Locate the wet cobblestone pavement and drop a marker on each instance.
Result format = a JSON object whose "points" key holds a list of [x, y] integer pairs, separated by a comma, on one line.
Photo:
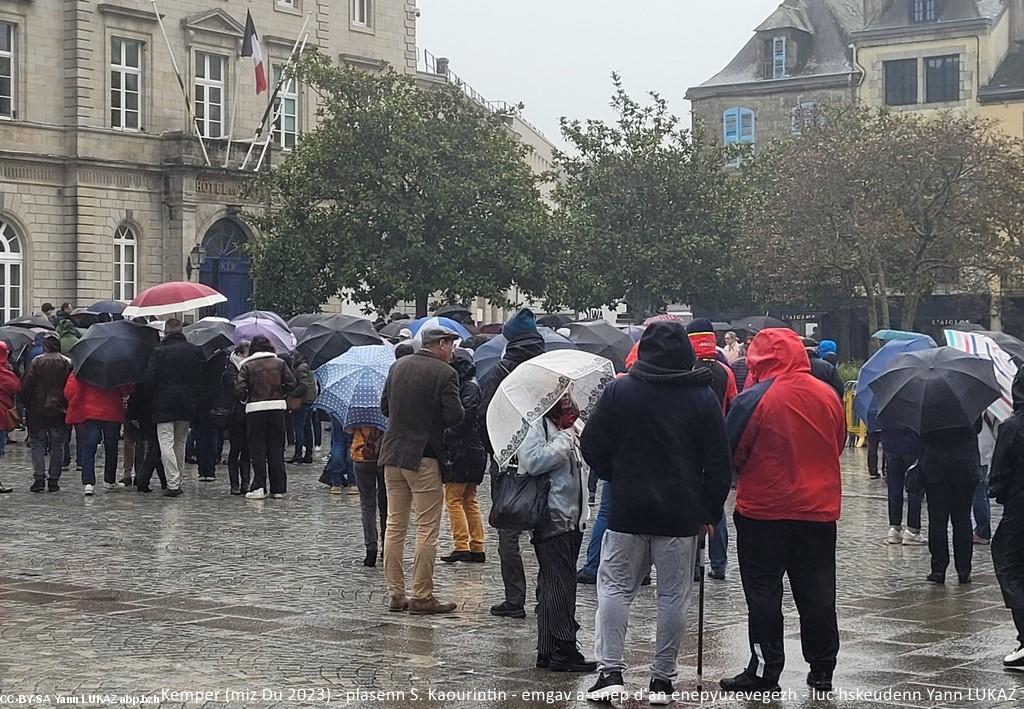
{"points": [[125, 597]]}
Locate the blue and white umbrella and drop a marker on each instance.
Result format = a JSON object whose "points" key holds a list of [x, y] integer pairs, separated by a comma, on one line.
{"points": [[352, 383], [416, 325]]}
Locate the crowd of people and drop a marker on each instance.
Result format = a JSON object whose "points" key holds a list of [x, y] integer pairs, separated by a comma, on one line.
{"points": [[670, 438]]}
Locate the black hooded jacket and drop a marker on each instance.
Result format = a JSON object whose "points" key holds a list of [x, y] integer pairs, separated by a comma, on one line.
{"points": [[519, 349], [466, 456], [1006, 485], [657, 436]]}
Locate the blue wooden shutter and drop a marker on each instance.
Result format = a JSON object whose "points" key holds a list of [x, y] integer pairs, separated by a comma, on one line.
{"points": [[730, 126], [746, 123]]}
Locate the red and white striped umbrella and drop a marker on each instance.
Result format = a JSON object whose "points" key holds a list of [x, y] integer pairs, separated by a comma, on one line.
{"points": [[173, 297]]}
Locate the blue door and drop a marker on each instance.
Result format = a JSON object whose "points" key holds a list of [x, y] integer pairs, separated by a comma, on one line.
{"points": [[226, 268]]}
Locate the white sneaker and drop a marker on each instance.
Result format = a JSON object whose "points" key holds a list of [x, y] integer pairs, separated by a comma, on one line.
{"points": [[913, 539], [276, 495], [87, 490], [113, 486], [894, 536], [258, 494], [316, 449], [1015, 660]]}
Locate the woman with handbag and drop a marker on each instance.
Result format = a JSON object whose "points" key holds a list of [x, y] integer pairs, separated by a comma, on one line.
{"points": [[10, 387], [549, 449]]}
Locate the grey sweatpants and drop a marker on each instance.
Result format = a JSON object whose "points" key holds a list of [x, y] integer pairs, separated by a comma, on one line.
{"points": [[625, 560]]}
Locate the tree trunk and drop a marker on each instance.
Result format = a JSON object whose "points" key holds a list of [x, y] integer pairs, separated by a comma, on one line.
{"points": [[421, 304], [844, 332], [872, 313], [910, 302]]}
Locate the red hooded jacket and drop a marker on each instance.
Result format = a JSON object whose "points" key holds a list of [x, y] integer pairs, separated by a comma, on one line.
{"points": [[90, 403], [787, 431], [10, 387]]}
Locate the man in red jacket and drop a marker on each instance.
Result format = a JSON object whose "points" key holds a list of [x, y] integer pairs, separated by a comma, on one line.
{"points": [[787, 431]]}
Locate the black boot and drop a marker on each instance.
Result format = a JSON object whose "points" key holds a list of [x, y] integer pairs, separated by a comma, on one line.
{"points": [[457, 555], [296, 457], [746, 683], [819, 681], [371, 558], [568, 658]]}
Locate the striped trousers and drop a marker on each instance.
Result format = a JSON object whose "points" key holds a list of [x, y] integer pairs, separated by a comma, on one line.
{"points": [[556, 591]]}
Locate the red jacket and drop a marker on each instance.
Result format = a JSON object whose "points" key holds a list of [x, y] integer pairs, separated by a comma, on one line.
{"points": [[10, 387], [90, 403], [787, 431]]}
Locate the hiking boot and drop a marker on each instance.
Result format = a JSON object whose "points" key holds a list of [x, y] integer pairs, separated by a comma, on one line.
{"points": [[660, 692], [429, 606], [1015, 660], [477, 557], [746, 683], [895, 536], [819, 681], [397, 604], [609, 687], [568, 658], [508, 610], [37, 486], [913, 539], [457, 555]]}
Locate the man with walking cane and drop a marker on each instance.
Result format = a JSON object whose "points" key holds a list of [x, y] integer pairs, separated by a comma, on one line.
{"points": [[669, 476], [787, 431]]}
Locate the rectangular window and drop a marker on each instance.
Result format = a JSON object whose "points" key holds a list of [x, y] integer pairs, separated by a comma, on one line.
{"points": [[125, 83], [6, 70], [922, 11], [210, 76], [901, 82], [942, 78], [778, 57], [361, 13], [286, 127], [288, 3]]}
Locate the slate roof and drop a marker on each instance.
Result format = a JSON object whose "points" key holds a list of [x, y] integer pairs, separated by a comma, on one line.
{"points": [[897, 14], [829, 21]]}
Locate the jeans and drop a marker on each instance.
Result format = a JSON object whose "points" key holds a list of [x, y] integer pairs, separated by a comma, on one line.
{"points": [[982, 509], [207, 439], [3, 443], [718, 547], [171, 436], [874, 438], [89, 435], [239, 467], [265, 431], [315, 424], [625, 561], [596, 534], [373, 502], [339, 464], [53, 437], [303, 430], [420, 491], [895, 476]]}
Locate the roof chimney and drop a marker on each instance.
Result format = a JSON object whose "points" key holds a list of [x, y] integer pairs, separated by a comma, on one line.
{"points": [[441, 66]]}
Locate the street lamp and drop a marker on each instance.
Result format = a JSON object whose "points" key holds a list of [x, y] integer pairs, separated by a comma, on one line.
{"points": [[196, 258]]}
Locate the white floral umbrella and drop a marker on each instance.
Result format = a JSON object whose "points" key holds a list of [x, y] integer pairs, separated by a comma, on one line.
{"points": [[533, 388]]}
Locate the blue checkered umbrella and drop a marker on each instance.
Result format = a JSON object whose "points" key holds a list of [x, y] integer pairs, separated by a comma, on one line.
{"points": [[352, 383]]}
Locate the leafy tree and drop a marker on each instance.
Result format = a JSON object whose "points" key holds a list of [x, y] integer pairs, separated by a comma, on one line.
{"points": [[877, 203], [399, 193], [644, 212]]}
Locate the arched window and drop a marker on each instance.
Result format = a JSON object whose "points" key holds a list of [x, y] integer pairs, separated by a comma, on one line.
{"points": [[124, 263], [11, 263]]}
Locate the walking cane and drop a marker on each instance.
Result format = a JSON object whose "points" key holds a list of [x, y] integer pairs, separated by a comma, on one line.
{"points": [[700, 615]]}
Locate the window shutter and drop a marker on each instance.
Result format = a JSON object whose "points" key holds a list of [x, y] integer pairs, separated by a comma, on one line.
{"points": [[730, 125], [746, 119]]}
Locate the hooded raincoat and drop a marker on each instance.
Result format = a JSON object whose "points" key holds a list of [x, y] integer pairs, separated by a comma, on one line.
{"points": [[1006, 485], [10, 387]]}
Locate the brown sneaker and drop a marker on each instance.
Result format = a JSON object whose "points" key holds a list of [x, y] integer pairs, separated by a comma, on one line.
{"points": [[397, 604], [429, 606]]}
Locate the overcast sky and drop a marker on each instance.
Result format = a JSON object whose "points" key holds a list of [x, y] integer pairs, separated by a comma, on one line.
{"points": [[556, 55]]}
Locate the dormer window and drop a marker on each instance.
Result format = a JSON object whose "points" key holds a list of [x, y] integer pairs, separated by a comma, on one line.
{"points": [[775, 58], [922, 11]]}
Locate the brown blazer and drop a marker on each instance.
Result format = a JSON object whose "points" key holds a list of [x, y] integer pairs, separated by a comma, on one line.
{"points": [[421, 400]]}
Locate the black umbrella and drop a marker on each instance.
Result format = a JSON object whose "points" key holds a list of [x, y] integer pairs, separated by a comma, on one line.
{"points": [[210, 337], [489, 354], [326, 339], [112, 354], [477, 340], [17, 338], [604, 339], [452, 309], [966, 326], [555, 320], [721, 326], [394, 329], [306, 319], [756, 323], [30, 321], [935, 389]]}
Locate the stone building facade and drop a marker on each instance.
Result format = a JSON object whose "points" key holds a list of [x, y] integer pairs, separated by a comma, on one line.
{"points": [[104, 189]]}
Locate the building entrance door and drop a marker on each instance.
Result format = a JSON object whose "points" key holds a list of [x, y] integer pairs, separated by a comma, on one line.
{"points": [[226, 267]]}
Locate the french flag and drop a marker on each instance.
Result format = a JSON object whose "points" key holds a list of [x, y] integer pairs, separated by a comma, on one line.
{"points": [[251, 47]]}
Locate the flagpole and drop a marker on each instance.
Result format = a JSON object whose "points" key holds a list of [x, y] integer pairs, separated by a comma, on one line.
{"points": [[280, 109], [181, 84], [234, 109], [300, 43]]}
